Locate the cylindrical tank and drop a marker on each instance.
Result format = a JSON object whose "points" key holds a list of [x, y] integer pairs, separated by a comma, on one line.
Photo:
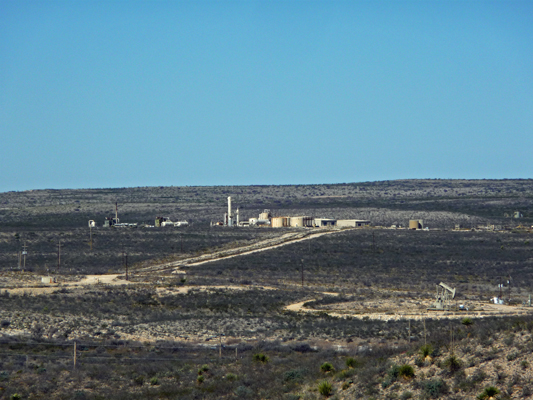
{"points": [[297, 222], [415, 224]]}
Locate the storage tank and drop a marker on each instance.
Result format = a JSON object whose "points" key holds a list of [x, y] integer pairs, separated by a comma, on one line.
{"points": [[415, 224], [280, 222], [297, 222]]}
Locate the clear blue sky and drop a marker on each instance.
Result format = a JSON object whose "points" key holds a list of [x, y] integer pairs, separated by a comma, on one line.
{"points": [[140, 93]]}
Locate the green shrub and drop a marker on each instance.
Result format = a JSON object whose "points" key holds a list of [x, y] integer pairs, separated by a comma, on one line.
{"points": [[154, 381], [200, 379], [139, 380], [524, 364], [260, 357], [205, 368], [231, 377], [467, 321], [406, 395], [406, 371], [325, 388], [489, 393], [353, 363], [327, 367], [426, 351], [295, 375], [435, 388], [452, 364], [16, 396], [243, 392], [512, 356]]}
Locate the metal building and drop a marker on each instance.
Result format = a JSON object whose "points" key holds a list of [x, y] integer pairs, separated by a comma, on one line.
{"points": [[324, 222], [352, 223]]}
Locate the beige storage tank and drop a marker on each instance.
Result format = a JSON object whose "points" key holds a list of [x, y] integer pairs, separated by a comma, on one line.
{"points": [[280, 222], [297, 222], [266, 214], [416, 224]]}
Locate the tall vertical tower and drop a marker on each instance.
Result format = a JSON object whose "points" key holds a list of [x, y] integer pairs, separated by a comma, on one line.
{"points": [[230, 215]]}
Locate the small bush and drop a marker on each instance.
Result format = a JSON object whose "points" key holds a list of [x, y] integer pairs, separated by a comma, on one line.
{"points": [[426, 351], [327, 367], [406, 395], [139, 380], [295, 375], [231, 377], [243, 392], [435, 388], [488, 393], [154, 381], [524, 364], [260, 357], [452, 364], [467, 321], [200, 379], [353, 363], [512, 356], [406, 371], [325, 388], [16, 396]]}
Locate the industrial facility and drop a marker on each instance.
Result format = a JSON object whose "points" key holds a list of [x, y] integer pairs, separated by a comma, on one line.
{"points": [[266, 219]]}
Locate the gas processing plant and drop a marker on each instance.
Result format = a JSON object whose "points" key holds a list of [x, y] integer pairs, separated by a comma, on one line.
{"points": [[266, 219]]}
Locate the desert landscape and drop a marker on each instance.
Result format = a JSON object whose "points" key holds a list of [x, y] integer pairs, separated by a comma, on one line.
{"points": [[208, 311]]}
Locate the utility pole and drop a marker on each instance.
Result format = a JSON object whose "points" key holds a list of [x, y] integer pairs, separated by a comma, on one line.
{"points": [[500, 296], [58, 254], [24, 252], [91, 235], [126, 266], [74, 355], [509, 284], [302, 273], [181, 243]]}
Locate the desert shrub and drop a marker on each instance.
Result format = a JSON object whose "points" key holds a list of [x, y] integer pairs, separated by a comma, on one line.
{"points": [[488, 393], [243, 392], [346, 384], [524, 364], [406, 395], [346, 373], [139, 380], [4, 376], [5, 323], [327, 367], [467, 321], [200, 379], [260, 357], [353, 363], [426, 351], [512, 356], [325, 388], [231, 376], [295, 375], [452, 364], [154, 381], [434, 388], [406, 371]]}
